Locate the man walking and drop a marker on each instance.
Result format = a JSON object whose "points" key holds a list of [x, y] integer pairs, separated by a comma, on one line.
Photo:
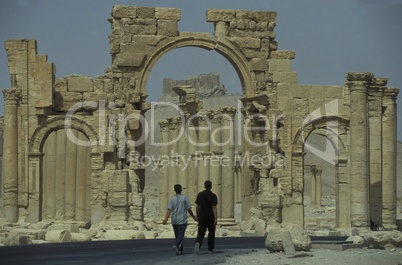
{"points": [[207, 217], [179, 205]]}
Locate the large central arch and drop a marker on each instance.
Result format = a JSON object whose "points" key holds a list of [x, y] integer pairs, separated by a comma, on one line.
{"points": [[204, 41]]}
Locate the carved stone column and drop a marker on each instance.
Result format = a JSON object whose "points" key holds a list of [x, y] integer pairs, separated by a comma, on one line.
{"points": [[389, 158], [192, 178], [163, 167], [342, 193], [359, 151], [228, 177], [173, 166], [182, 156], [203, 151], [376, 91], [215, 166], [10, 153], [316, 186]]}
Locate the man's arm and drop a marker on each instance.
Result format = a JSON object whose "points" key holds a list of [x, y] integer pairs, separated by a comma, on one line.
{"points": [[215, 214], [167, 216], [192, 214], [197, 210]]}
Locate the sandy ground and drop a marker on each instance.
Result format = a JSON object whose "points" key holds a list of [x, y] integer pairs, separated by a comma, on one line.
{"points": [[322, 257], [364, 256]]}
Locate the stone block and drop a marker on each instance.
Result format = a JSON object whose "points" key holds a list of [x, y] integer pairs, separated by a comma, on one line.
{"points": [[285, 77], [80, 237], [146, 12], [124, 11], [168, 13], [146, 40], [78, 83], [245, 15], [383, 239], [167, 28], [253, 43], [64, 101], [265, 16], [58, 236], [118, 180], [215, 15], [114, 43], [118, 199], [259, 64], [301, 105], [283, 54], [129, 59], [279, 65], [60, 84]]}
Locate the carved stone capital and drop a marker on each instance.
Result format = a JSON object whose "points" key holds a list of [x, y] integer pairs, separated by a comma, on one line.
{"points": [[379, 82], [164, 125], [11, 96], [359, 76], [391, 92]]}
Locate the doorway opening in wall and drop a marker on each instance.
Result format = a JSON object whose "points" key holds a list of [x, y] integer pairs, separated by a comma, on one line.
{"points": [[66, 180], [319, 183], [216, 84]]}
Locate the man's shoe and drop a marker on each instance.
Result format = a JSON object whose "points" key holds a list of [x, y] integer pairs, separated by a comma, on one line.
{"points": [[176, 250], [197, 248], [211, 251]]}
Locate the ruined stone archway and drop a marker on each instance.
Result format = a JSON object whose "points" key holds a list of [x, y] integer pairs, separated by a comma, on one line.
{"points": [[41, 133], [36, 162], [65, 186], [140, 36], [334, 130]]}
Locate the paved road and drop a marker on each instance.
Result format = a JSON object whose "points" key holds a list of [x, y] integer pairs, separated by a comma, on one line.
{"points": [[151, 251]]}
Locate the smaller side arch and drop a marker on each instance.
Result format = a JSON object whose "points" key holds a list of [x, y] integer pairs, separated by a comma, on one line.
{"points": [[39, 136], [334, 128], [322, 123]]}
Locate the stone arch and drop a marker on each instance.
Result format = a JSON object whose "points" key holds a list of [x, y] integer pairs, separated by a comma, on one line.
{"points": [[223, 47], [39, 136], [36, 145], [322, 126]]}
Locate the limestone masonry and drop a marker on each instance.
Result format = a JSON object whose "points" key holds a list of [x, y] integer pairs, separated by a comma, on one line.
{"points": [[74, 148]]}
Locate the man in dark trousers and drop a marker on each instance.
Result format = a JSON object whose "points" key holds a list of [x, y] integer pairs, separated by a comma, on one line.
{"points": [[179, 205], [207, 217]]}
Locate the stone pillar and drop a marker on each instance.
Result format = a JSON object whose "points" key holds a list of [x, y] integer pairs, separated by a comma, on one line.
{"points": [[215, 167], [376, 91], [312, 195], [203, 148], [173, 165], [359, 151], [98, 209], [182, 157], [192, 172], [248, 200], [293, 209], [228, 181], [10, 153], [342, 194], [317, 171], [389, 158], [164, 168], [34, 207]]}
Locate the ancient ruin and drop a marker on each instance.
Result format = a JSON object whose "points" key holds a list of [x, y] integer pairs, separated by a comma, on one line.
{"points": [[73, 146]]}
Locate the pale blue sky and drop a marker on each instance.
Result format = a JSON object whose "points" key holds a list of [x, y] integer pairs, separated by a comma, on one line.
{"points": [[330, 38]]}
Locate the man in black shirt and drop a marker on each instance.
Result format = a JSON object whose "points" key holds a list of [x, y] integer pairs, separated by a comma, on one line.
{"points": [[207, 217]]}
